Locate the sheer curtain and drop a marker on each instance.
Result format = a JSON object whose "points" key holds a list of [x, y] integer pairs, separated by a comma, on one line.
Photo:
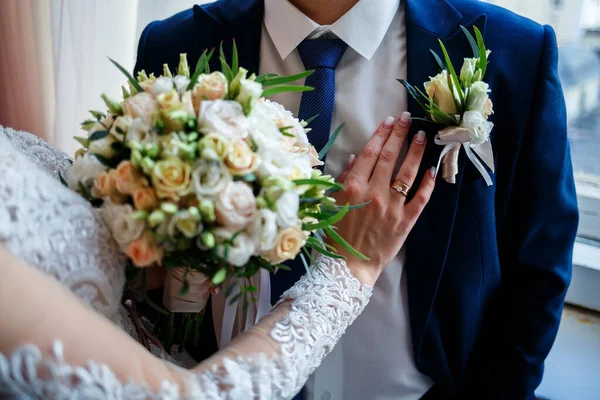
{"points": [[53, 62]]}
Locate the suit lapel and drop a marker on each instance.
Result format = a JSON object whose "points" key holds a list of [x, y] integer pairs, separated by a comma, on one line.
{"points": [[223, 21], [427, 245]]}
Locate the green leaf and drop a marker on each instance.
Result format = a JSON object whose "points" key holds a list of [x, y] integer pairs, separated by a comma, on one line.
{"points": [[199, 68], [130, 78], [208, 58], [82, 141], [324, 251], [327, 146], [97, 114], [310, 257], [472, 42], [245, 178], [284, 267], [219, 276], [327, 222], [482, 51], [226, 69], [438, 60], [284, 129], [285, 89], [338, 239], [234, 60], [318, 182], [414, 94], [354, 207], [280, 80], [262, 78], [98, 135], [306, 267], [62, 180], [452, 73], [107, 162], [311, 119]]}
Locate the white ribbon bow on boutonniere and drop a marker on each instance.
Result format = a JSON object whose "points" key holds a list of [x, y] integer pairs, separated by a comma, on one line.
{"points": [[463, 105]]}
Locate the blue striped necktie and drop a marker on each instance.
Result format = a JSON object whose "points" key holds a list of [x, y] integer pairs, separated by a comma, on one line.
{"points": [[322, 56]]}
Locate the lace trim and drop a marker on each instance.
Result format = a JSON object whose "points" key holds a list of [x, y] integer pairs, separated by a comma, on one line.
{"points": [[322, 308]]}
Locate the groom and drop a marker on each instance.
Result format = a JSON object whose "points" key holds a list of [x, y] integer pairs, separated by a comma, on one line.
{"points": [[470, 307]]}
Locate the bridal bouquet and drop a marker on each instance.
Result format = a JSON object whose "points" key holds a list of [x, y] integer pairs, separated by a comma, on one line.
{"points": [[203, 175], [462, 104]]}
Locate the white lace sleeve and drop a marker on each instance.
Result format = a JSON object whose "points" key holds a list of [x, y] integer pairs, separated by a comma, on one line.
{"points": [[270, 361]]}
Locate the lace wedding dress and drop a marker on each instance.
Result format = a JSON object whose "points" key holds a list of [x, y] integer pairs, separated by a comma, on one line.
{"points": [[57, 232]]}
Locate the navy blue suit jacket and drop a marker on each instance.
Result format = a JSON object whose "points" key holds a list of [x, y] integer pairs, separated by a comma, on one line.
{"points": [[488, 267]]}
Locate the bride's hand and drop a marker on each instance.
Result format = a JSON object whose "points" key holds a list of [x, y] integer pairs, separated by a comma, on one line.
{"points": [[379, 229]]}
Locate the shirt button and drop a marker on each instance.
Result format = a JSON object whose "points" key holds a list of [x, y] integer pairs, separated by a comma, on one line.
{"points": [[326, 396]]}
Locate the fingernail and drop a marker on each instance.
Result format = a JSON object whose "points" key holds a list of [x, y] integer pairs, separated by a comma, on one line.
{"points": [[389, 122], [351, 159], [420, 138], [405, 118], [432, 172]]}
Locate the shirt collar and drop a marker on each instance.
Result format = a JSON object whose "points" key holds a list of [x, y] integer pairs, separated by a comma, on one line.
{"points": [[362, 28]]}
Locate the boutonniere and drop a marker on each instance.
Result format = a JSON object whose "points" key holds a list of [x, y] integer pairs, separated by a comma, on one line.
{"points": [[462, 104]]}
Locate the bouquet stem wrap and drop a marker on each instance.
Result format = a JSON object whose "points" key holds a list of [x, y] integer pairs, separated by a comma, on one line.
{"points": [[196, 297], [455, 137]]}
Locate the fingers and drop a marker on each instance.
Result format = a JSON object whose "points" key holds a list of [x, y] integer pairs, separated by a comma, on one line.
{"points": [[349, 165], [421, 198], [384, 169], [410, 167], [364, 164]]}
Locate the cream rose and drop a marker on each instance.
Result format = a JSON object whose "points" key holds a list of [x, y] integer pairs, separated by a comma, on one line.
{"points": [[288, 245], [264, 229], [225, 117], [189, 224], [85, 170], [235, 206], [217, 142], [145, 198], [437, 89], [129, 178], [238, 252], [142, 105], [209, 87], [171, 178], [168, 100], [209, 177], [479, 128], [286, 208], [488, 107], [145, 251], [188, 104], [241, 160], [122, 225]]}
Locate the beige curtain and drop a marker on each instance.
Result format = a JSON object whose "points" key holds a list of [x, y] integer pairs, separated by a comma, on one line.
{"points": [[26, 68]]}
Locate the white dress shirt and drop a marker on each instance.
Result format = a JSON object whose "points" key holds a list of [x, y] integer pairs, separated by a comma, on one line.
{"points": [[374, 359]]}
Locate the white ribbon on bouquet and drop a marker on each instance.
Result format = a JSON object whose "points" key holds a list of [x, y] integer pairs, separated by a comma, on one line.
{"points": [[455, 137]]}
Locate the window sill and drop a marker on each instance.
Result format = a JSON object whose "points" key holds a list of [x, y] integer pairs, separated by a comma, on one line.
{"points": [[585, 282]]}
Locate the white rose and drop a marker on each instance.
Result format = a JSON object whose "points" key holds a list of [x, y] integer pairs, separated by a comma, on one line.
{"points": [[250, 91], [264, 133], [85, 169], [240, 251], [282, 118], [103, 146], [120, 127], [142, 105], [235, 205], [303, 166], [224, 117], [188, 224], [468, 71], [164, 84], [264, 229], [478, 93], [209, 177], [438, 90], [287, 209], [141, 132], [123, 227], [479, 128], [181, 83]]}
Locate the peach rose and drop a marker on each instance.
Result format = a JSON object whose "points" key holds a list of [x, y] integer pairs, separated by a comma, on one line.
{"points": [[209, 87], [142, 105], [235, 206], [105, 185], [129, 178], [241, 160], [288, 244], [145, 198], [145, 251]]}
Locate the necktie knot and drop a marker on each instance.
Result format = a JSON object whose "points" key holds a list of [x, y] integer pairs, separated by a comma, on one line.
{"points": [[321, 53]]}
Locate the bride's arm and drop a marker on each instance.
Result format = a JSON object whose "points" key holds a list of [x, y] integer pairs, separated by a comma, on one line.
{"points": [[272, 360]]}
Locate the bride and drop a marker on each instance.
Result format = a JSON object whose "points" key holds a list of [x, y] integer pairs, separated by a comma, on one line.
{"points": [[62, 282]]}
